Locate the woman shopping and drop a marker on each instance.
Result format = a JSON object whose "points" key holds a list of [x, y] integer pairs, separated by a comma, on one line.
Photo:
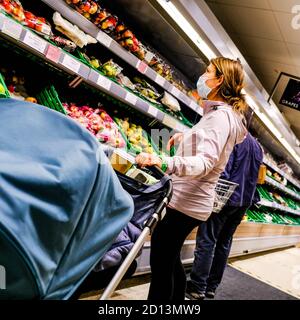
{"points": [[201, 156]]}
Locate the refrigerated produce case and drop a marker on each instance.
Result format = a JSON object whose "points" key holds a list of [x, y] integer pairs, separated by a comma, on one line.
{"points": [[268, 225]]}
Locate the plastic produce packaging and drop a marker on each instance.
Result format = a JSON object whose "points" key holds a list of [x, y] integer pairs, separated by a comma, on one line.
{"points": [[39, 24], [71, 31], [171, 102]]}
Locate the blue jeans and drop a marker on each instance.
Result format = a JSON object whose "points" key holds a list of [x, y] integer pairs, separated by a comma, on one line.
{"points": [[213, 244]]}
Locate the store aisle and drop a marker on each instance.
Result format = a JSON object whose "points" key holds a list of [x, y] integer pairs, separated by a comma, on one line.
{"points": [[268, 276]]}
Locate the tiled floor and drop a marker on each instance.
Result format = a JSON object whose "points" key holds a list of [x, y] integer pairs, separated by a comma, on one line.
{"points": [[280, 269]]}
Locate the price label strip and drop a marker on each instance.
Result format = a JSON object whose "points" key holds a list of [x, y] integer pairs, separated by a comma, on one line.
{"points": [[35, 42], [170, 122], [53, 53], [131, 98], [175, 91], [142, 67], [104, 82], [104, 39], [160, 80], [12, 28], [71, 63], [153, 111]]}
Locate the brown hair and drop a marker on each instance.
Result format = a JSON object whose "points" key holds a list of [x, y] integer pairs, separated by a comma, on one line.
{"points": [[233, 83]]}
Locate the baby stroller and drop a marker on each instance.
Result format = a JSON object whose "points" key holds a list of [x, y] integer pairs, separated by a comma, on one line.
{"points": [[149, 202], [61, 203]]}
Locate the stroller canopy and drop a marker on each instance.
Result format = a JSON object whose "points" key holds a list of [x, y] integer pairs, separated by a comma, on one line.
{"points": [[61, 204]]}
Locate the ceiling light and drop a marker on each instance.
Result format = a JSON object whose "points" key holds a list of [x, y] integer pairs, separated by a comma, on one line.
{"points": [[183, 23]]}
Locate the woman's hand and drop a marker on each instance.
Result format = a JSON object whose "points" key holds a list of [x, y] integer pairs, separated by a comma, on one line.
{"points": [[147, 159], [176, 139]]}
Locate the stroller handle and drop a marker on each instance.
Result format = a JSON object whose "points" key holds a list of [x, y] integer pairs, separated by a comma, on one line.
{"points": [[162, 174]]}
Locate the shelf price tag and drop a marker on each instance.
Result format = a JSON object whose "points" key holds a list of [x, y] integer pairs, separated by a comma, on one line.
{"points": [[193, 105], [142, 67], [152, 111], [104, 39], [35, 41], [53, 53], [12, 28], [169, 121], [160, 80], [131, 98], [175, 91], [71, 63], [104, 82]]}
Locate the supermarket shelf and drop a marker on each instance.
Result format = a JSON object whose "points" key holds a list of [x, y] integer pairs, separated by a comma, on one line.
{"points": [[277, 206], [275, 168], [249, 238], [30, 41], [88, 27], [281, 187]]}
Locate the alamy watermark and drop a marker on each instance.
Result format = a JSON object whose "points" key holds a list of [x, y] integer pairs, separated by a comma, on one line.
{"points": [[2, 278], [295, 23]]}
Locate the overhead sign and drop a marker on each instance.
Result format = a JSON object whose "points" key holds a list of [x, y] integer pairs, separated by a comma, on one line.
{"points": [[291, 95]]}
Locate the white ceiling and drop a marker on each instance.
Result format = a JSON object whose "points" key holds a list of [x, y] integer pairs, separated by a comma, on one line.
{"points": [[263, 32]]}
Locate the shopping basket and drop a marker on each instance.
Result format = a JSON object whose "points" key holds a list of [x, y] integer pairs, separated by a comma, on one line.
{"points": [[150, 202], [223, 191]]}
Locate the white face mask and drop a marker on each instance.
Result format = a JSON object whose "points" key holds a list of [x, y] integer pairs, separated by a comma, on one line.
{"points": [[202, 88]]}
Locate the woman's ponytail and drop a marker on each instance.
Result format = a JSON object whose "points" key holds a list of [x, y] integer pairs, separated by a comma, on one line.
{"points": [[233, 83]]}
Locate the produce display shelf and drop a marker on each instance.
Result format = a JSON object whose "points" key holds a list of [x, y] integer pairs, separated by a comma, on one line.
{"points": [[281, 187], [250, 237], [277, 206], [33, 43], [275, 168], [88, 27]]}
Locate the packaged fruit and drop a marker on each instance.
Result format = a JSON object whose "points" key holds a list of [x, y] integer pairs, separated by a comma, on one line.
{"points": [[120, 28], [100, 16], [146, 90], [14, 8], [37, 23], [109, 24], [86, 7], [111, 69]]}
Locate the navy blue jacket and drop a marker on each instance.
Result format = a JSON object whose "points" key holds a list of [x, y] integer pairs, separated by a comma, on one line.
{"points": [[242, 168]]}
